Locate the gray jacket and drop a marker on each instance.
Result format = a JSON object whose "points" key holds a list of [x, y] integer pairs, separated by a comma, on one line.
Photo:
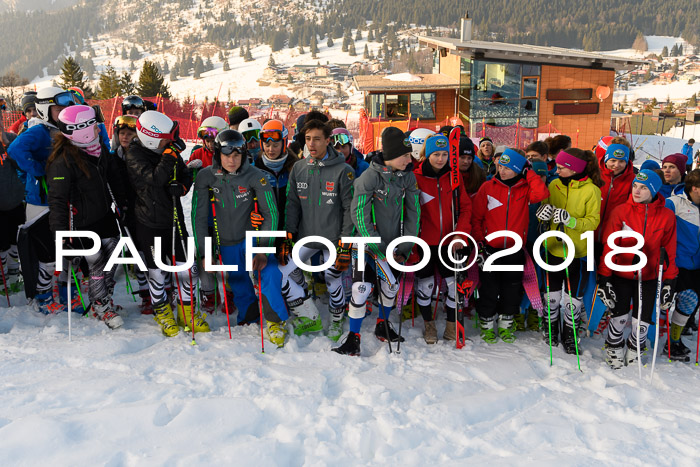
{"points": [[376, 206], [319, 194], [234, 195], [11, 187]]}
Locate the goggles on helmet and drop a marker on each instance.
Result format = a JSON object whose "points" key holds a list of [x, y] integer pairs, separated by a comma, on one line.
{"points": [[125, 121], [340, 139], [64, 99], [251, 135], [207, 132], [271, 135]]}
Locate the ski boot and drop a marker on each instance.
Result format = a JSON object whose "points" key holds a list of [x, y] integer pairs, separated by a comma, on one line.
{"points": [[163, 315], [231, 309], [146, 306], [505, 328], [430, 332], [615, 356], [555, 331], [568, 340], [321, 291], [381, 334], [308, 318], [533, 321], [102, 310], [486, 330], [335, 329], [209, 302], [15, 283], [351, 346], [184, 319], [46, 304], [277, 333], [76, 303], [519, 322], [679, 352]]}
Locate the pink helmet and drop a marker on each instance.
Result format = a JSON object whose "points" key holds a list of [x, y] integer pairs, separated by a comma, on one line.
{"points": [[341, 136], [78, 123]]}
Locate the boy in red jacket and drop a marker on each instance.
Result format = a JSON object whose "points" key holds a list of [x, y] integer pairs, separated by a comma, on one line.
{"points": [[645, 213], [502, 204]]}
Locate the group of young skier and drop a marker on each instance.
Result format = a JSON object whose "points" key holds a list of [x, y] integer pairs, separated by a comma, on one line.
{"points": [[63, 173]]}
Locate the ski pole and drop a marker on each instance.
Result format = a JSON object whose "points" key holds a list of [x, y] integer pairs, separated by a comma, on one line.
{"points": [[571, 306], [639, 322], [403, 290], [260, 305], [218, 249], [129, 288], [176, 221], [381, 304], [668, 330], [697, 346], [4, 282], [658, 313], [549, 310], [437, 299]]}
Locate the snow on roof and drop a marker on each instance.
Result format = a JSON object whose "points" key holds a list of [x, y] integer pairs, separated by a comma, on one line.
{"points": [[406, 77]]}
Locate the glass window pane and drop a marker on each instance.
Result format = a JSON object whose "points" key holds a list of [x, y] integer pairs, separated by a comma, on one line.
{"points": [[531, 70], [376, 107], [528, 108], [396, 106], [530, 86], [423, 105], [496, 108], [496, 81]]}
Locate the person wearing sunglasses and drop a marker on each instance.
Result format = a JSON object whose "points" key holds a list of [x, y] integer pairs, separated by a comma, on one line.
{"points": [[250, 129], [207, 132], [342, 142], [236, 190], [160, 178], [31, 150]]}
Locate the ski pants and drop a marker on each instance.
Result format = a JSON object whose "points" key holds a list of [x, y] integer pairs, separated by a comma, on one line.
{"points": [[626, 291], [425, 283], [500, 292], [294, 291], [36, 246], [688, 288], [376, 270], [244, 292], [100, 281]]}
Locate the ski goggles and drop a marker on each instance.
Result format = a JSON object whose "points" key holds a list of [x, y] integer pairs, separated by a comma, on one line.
{"points": [[271, 135], [125, 121], [129, 104], [341, 139], [251, 135], [207, 132], [71, 129], [228, 148], [64, 99]]}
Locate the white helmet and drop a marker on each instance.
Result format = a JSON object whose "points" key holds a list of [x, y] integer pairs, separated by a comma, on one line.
{"points": [[152, 127], [249, 124], [417, 139], [212, 126], [48, 97]]}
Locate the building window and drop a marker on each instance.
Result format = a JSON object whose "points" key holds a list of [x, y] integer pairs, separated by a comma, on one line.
{"points": [[423, 105], [396, 106], [376, 105], [531, 85], [465, 76]]}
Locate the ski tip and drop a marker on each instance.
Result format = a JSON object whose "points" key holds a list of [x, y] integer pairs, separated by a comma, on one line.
{"points": [[194, 342]]}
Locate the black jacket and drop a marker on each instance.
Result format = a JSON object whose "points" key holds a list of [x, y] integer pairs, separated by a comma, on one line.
{"points": [[88, 196], [150, 175]]}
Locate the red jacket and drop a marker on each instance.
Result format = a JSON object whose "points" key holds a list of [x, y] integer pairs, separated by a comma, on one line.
{"points": [[614, 193], [500, 207], [657, 224], [203, 154], [17, 125], [436, 206]]}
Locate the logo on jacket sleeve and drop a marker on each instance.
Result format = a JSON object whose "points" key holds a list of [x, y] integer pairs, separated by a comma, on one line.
{"points": [[263, 181]]}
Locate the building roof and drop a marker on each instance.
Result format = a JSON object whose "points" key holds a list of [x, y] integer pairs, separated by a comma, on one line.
{"points": [[404, 82], [530, 53]]}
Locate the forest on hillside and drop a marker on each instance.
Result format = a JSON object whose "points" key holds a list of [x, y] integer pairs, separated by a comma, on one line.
{"points": [[34, 40]]}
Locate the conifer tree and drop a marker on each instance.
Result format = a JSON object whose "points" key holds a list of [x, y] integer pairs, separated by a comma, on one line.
{"points": [[108, 85], [151, 83], [72, 75], [127, 85]]}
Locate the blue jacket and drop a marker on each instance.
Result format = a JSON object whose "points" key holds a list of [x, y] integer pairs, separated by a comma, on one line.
{"points": [[31, 150], [687, 230], [361, 166], [104, 136], [669, 190], [688, 151]]}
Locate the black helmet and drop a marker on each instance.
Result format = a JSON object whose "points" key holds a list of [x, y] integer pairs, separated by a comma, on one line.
{"points": [[28, 101], [228, 141], [132, 102]]}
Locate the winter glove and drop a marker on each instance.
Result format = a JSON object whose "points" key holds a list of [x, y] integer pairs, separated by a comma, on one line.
{"points": [[561, 216], [194, 164], [668, 294], [178, 144], [256, 220], [342, 262], [544, 212], [606, 293], [176, 189], [285, 249]]}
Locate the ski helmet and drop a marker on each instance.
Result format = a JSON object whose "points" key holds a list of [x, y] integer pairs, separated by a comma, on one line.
{"points": [[417, 139], [124, 121], [602, 146], [341, 136], [28, 101], [78, 93], [211, 127], [133, 102], [227, 142], [250, 129], [48, 97], [153, 127], [78, 123], [274, 130]]}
